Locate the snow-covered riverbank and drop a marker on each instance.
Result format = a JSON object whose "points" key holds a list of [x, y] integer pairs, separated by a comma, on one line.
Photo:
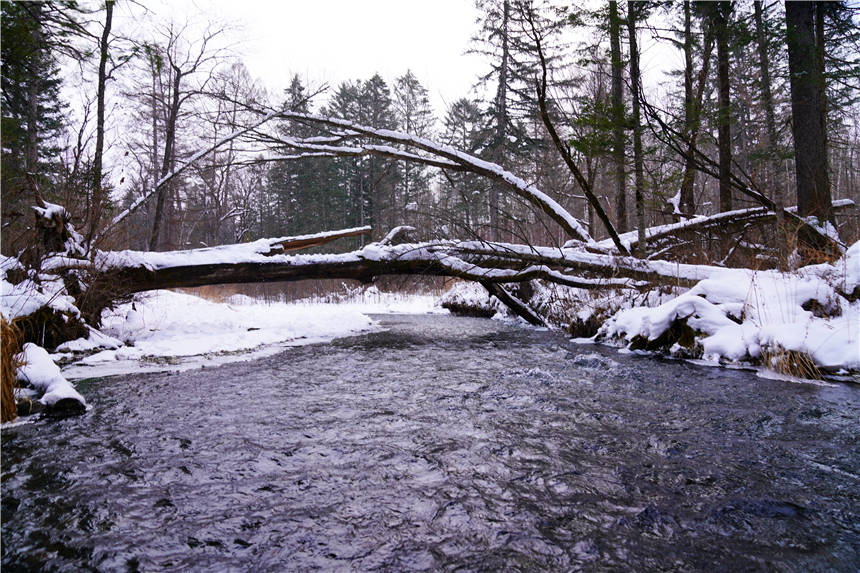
{"points": [[166, 330]]}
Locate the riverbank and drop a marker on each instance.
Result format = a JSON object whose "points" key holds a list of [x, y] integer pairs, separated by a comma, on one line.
{"points": [[174, 331]]}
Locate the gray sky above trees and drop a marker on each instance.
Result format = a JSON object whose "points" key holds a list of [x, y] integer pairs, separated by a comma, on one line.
{"points": [[329, 41]]}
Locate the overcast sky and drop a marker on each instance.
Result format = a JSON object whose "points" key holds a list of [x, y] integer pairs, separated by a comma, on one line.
{"points": [[329, 41]]}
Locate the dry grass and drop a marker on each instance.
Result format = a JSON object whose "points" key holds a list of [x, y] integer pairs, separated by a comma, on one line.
{"points": [[11, 342], [790, 363]]}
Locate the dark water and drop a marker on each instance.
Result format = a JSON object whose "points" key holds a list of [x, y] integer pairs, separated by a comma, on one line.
{"points": [[442, 444]]}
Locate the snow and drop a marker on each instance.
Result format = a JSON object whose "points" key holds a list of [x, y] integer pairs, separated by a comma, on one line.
{"points": [[27, 296], [739, 314], [40, 371], [166, 330], [467, 294]]}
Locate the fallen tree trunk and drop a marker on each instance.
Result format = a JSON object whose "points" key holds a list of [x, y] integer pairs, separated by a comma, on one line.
{"points": [[497, 263], [729, 223]]}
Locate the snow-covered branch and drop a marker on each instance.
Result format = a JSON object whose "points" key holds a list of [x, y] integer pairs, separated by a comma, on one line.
{"points": [[437, 154]]}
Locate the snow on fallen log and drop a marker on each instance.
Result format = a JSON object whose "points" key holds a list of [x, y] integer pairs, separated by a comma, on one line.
{"points": [[703, 223], [41, 373]]}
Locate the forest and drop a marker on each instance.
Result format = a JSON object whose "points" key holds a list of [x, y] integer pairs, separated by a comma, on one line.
{"points": [[720, 137], [598, 311], [566, 166]]}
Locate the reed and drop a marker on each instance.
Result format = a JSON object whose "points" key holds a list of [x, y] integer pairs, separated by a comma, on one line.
{"points": [[11, 347]]}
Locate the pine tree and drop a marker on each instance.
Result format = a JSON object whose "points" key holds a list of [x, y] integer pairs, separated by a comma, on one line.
{"points": [[32, 110], [464, 199], [503, 42], [414, 116], [378, 175]]}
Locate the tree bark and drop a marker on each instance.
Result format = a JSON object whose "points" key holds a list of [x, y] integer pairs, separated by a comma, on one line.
{"points": [[167, 159], [810, 153], [501, 119], [724, 132], [820, 7], [635, 87], [693, 110], [771, 140], [617, 105], [33, 89], [97, 193]]}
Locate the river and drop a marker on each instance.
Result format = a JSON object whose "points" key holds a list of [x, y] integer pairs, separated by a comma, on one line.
{"points": [[439, 443]]}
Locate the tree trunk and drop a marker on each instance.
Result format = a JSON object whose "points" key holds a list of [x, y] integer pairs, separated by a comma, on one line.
{"points": [[635, 86], [810, 153], [167, 159], [97, 198], [724, 133], [819, 59], [617, 105], [771, 140], [688, 180], [501, 119], [33, 89]]}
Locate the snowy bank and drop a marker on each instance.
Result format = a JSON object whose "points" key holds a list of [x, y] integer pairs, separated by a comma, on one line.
{"points": [[166, 330], [740, 315]]}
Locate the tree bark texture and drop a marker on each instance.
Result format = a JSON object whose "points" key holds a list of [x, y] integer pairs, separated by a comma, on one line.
{"points": [[617, 105], [97, 194], [167, 158], [724, 130], [693, 112], [771, 139], [635, 87], [810, 155]]}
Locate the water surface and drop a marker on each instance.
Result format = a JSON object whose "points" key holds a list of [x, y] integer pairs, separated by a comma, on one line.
{"points": [[441, 443]]}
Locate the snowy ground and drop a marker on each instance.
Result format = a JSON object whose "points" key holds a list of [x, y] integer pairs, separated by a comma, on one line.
{"points": [[166, 330]]}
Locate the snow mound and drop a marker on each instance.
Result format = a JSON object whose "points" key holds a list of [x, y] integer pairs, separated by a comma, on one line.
{"points": [[40, 372], [471, 299], [739, 315]]}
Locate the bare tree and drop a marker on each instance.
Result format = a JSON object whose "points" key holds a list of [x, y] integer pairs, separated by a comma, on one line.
{"points": [[189, 67], [97, 197]]}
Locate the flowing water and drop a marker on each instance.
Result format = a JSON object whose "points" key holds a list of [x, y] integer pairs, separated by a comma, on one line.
{"points": [[440, 443]]}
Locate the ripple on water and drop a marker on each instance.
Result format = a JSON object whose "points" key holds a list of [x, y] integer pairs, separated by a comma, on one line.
{"points": [[440, 443]]}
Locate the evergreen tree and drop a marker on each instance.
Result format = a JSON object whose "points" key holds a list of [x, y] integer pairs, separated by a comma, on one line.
{"points": [[464, 200], [291, 182], [378, 176], [414, 116], [503, 42], [32, 110]]}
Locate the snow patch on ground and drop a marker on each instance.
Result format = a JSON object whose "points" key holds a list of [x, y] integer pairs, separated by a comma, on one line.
{"points": [[166, 330]]}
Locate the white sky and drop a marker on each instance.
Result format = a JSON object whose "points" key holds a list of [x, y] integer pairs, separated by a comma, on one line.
{"points": [[329, 41]]}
